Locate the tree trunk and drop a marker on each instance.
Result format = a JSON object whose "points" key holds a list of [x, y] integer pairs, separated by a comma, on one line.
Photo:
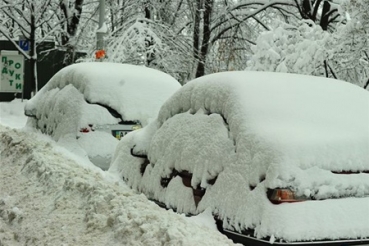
{"points": [[208, 7], [196, 30], [367, 84], [306, 10], [71, 31], [149, 42], [309, 10], [32, 52], [324, 21], [326, 69]]}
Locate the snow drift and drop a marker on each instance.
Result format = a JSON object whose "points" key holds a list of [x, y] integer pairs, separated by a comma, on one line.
{"points": [[48, 198]]}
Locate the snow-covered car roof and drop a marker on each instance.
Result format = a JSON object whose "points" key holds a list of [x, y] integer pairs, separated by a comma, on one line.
{"points": [[307, 121], [240, 134], [135, 92]]}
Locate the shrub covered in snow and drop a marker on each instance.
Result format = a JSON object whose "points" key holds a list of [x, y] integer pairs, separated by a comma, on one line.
{"points": [[351, 52]]}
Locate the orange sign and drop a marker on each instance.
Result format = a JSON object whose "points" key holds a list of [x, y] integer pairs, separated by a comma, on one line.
{"points": [[99, 54]]}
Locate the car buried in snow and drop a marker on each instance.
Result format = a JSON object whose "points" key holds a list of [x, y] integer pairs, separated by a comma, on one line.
{"points": [[279, 158], [88, 107]]}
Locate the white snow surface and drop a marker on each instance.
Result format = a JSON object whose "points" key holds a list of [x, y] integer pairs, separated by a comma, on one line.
{"points": [[12, 113], [103, 28], [136, 92], [48, 198], [255, 131]]}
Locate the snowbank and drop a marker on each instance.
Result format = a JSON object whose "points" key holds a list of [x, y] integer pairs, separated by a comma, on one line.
{"points": [[46, 198], [12, 113]]}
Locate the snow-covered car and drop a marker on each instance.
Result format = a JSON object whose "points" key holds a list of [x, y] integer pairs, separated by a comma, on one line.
{"points": [[95, 104], [278, 158]]}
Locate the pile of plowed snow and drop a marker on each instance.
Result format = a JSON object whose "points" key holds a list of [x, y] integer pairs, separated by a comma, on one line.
{"points": [[47, 198]]}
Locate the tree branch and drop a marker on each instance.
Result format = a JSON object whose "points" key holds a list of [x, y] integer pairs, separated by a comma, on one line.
{"points": [[366, 85], [16, 21], [15, 44], [264, 7]]}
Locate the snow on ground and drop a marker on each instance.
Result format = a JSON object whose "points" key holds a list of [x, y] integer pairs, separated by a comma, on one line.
{"points": [[48, 196], [12, 113]]}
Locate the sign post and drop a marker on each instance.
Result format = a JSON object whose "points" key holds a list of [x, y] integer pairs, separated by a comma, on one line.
{"points": [[12, 72]]}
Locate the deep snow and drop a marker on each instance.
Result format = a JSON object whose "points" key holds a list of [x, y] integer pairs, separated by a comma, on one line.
{"points": [[49, 196], [12, 113]]}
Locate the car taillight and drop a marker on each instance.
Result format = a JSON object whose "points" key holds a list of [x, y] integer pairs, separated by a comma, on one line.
{"points": [[278, 196], [87, 129], [84, 130]]}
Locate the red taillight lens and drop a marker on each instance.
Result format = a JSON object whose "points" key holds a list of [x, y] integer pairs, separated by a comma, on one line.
{"points": [[278, 196], [87, 129], [285, 195]]}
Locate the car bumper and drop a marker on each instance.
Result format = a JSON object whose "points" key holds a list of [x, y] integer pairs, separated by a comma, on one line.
{"points": [[247, 239]]}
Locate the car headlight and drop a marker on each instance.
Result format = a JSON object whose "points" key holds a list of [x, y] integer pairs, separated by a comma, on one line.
{"points": [[136, 127]]}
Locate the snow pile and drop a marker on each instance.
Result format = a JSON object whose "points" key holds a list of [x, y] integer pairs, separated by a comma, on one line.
{"points": [[12, 113], [135, 92], [251, 131], [46, 198]]}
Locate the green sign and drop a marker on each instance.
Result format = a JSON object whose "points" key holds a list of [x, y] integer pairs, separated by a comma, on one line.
{"points": [[12, 69]]}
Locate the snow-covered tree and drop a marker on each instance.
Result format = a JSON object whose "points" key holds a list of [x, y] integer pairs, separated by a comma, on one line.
{"points": [[26, 18], [300, 48], [189, 38], [71, 18], [148, 33], [38, 20], [351, 49], [147, 43], [304, 47], [230, 26]]}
